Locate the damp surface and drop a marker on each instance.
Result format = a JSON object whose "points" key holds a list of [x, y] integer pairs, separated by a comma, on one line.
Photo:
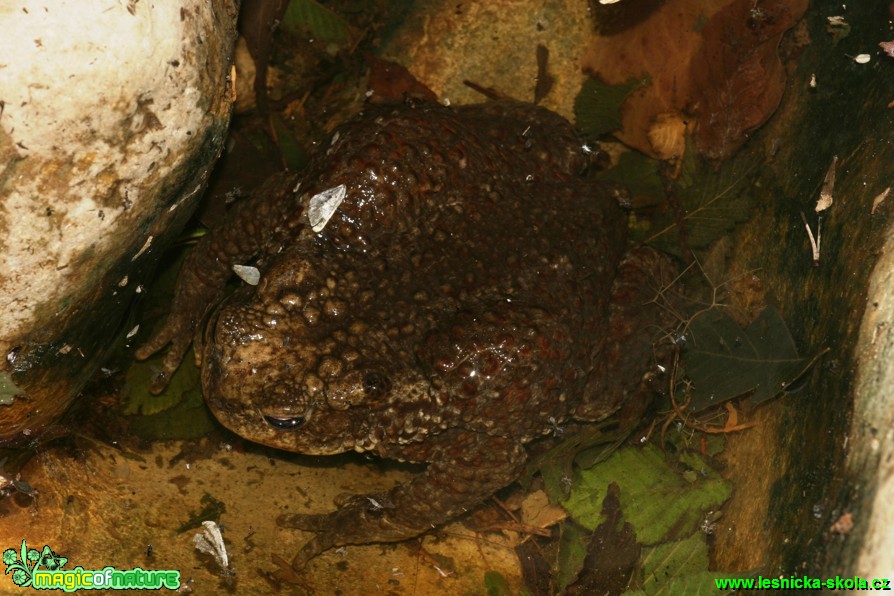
{"points": [[102, 506]]}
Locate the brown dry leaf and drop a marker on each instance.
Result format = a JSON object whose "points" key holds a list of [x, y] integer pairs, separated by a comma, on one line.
{"points": [[844, 524], [392, 81], [715, 59], [667, 136], [732, 422], [538, 512], [256, 24], [737, 77], [733, 415], [660, 48]]}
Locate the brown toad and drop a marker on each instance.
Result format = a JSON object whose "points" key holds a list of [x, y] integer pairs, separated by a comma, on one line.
{"points": [[468, 295]]}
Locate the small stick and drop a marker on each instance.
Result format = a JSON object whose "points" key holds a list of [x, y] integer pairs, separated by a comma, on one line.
{"points": [[814, 242]]}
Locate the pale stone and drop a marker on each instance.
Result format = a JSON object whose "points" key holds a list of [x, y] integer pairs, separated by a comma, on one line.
{"points": [[112, 114]]}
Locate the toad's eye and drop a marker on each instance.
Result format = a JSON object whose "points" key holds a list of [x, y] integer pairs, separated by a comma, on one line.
{"points": [[376, 385], [285, 423]]}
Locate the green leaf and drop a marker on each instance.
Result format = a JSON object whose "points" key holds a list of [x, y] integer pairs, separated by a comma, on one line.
{"points": [[185, 385], [312, 18], [656, 499], [190, 419], [573, 542], [179, 412], [672, 561], [8, 390], [678, 567], [586, 447], [640, 174], [724, 361], [496, 584], [597, 108]]}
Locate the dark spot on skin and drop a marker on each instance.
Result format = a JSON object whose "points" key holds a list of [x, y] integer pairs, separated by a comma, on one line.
{"points": [[376, 385]]}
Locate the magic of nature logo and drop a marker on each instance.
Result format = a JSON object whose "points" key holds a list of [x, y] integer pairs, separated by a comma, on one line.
{"points": [[43, 570]]}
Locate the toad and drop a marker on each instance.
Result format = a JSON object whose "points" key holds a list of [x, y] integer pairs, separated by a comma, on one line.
{"points": [[469, 294]]}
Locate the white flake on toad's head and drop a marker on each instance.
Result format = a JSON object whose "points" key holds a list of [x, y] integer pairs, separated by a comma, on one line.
{"points": [[862, 58], [248, 274], [322, 206]]}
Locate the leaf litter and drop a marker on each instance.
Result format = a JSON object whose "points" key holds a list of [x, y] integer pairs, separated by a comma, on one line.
{"points": [[671, 498]]}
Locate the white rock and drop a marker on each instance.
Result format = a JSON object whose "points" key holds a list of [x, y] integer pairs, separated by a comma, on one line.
{"points": [[112, 111]]}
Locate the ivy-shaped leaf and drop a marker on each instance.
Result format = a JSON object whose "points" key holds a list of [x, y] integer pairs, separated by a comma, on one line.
{"points": [[678, 567], [724, 361], [708, 203], [659, 502], [587, 447]]}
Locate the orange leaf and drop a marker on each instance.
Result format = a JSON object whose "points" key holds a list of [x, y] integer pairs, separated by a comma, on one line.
{"points": [[714, 60], [660, 49], [737, 78]]}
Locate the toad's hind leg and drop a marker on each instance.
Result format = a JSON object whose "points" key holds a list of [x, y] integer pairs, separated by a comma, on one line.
{"points": [[625, 361], [465, 469]]}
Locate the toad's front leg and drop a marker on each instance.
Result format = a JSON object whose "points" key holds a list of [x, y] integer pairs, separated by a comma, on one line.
{"points": [[466, 468], [250, 225]]}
